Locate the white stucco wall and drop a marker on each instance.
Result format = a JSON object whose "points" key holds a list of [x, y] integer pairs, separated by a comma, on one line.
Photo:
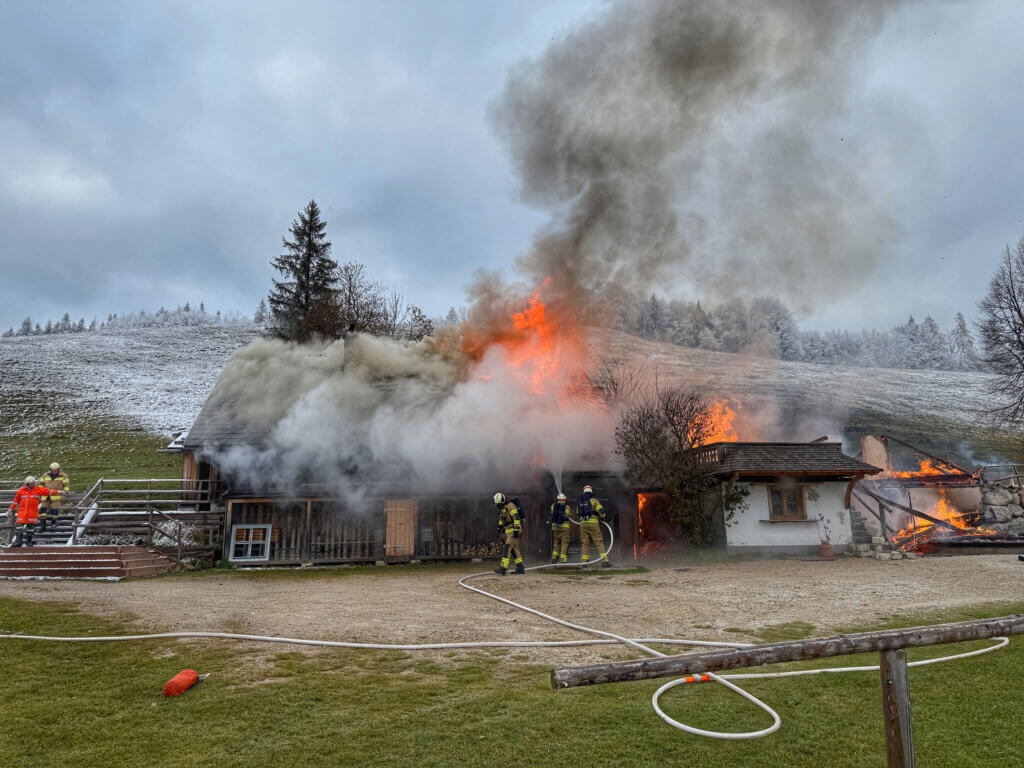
{"points": [[747, 529]]}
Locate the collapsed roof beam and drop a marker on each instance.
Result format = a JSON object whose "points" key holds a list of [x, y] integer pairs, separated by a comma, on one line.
{"points": [[908, 510], [931, 456]]}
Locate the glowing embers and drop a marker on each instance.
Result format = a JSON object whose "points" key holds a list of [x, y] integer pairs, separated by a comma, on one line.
{"points": [[655, 533], [923, 535]]}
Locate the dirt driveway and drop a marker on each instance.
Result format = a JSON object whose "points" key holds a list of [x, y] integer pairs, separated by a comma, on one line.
{"points": [[424, 603]]}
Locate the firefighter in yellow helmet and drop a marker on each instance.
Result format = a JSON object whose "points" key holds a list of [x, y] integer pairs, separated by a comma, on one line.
{"points": [[559, 529], [510, 524], [591, 513], [57, 481]]}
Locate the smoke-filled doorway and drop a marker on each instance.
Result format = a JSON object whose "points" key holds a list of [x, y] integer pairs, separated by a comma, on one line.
{"points": [[657, 533]]}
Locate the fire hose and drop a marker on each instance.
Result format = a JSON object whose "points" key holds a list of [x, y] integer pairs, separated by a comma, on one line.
{"points": [[599, 637]]}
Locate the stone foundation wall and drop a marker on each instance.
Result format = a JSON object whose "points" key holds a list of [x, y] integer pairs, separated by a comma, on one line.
{"points": [[1002, 508]]}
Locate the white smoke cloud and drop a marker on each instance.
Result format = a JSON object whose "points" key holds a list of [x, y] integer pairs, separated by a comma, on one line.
{"points": [[374, 411]]}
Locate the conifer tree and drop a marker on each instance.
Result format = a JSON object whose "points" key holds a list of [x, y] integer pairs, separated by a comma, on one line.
{"points": [[962, 348], [309, 277]]}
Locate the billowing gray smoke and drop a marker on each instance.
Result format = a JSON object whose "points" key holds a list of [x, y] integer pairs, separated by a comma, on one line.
{"points": [[373, 411], [698, 141], [706, 144]]}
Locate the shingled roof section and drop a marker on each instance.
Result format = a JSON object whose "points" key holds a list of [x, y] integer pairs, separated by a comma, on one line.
{"points": [[820, 459]]}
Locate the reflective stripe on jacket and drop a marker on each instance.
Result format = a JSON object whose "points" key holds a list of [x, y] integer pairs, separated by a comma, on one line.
{"points": [[27, 502], [587, 511], [60, 483], [559, 515], [509, 518]]}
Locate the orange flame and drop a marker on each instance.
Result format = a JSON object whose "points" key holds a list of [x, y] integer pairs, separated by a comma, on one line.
{"points": [[719, 427], [641, 502], [539, 341], [916, 536], [927, 468]]}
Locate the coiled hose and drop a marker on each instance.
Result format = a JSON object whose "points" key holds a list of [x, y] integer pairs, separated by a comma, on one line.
{"points": [[599, 637]]}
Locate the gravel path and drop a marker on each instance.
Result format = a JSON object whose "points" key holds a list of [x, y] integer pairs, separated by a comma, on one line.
{"points": [[426, 605]]}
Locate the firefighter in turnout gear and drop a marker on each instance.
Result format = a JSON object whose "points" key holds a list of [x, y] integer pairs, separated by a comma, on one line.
{"points": [[559, 529], [510, 524], [591, 514], [26, 501], [57, 480]]}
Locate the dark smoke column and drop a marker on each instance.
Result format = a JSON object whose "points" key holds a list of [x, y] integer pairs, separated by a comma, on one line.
{"points": [[698, 143]]}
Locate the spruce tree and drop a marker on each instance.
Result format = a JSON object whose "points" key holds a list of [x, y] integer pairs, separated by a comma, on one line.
{"points": [[962, 347], [309, 277], [26, 327]]}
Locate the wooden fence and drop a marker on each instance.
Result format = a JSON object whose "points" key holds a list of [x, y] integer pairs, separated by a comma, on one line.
{"points": [[891, 643]]}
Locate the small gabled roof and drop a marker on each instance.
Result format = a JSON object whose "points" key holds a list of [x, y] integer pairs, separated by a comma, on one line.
{"points": [[819, 459]]}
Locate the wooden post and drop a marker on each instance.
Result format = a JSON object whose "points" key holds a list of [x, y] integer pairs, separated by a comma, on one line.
{"points": [[899, 736]]}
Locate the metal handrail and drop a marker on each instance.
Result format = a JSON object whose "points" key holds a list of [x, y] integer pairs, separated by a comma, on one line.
{"points": [[97, 500]]}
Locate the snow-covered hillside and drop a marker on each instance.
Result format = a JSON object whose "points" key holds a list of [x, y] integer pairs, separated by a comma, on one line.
{"points": [[948, 396], [156, 377]]}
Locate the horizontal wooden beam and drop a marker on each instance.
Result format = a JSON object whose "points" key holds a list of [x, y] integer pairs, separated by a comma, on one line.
{"points": [[909, 510], [793, 650]]}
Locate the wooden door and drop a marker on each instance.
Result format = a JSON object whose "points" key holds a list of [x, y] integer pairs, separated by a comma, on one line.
{"points": [[400, 535]]}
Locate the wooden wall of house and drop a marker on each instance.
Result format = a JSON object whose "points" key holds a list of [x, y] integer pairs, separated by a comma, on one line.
{"points": [[425, 527], [325, 531], [310, 530]]}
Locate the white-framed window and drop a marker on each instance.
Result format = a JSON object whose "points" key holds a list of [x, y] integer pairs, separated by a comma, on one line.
{"points": [[250, 543]]}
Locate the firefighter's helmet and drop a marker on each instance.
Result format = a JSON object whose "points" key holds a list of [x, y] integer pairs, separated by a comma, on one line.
{"points": [[55, 467], [499, 498], [587, 489], [30, 480], [560, 497]]}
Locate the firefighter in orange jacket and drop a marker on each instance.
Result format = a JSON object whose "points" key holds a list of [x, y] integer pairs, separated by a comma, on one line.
{"points": [[26, 500]]}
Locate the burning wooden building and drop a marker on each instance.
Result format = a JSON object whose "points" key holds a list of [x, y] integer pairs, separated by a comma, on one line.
{"points": [[798, 495], [923, 503]]}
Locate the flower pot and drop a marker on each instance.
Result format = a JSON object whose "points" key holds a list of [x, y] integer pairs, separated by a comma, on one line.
{"points": [[826, 551]]}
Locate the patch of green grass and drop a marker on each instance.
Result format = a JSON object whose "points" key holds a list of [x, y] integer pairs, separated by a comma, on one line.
{"points": [[89, 450], [101, 704], [791, 630]]}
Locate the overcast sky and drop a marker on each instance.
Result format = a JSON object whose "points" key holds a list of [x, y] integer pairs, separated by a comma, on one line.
{"points": [[154, 153]]}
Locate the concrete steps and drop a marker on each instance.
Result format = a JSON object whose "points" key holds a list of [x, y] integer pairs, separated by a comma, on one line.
{"points": [[81, 562]]}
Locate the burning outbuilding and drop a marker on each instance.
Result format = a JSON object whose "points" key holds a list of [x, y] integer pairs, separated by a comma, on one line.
{"points": [[926, 504]]}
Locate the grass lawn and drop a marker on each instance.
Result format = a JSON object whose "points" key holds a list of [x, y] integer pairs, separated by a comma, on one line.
{"points": [[88, 452], [92, 705]]}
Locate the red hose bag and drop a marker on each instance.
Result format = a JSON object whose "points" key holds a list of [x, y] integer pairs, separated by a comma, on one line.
{"points": [[181, 682]]}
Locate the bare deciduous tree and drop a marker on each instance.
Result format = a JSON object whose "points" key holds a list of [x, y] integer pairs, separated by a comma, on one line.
{"points": [[613, 382], [1001, 328], [658, 436]]}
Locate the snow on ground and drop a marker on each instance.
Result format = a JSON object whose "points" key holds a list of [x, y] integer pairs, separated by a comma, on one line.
{"points": [[159, 378], [156, 377], [789, 400]]}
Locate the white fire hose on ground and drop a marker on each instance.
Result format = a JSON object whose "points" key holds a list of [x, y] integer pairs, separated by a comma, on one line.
{"points": [[600, 637]]}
